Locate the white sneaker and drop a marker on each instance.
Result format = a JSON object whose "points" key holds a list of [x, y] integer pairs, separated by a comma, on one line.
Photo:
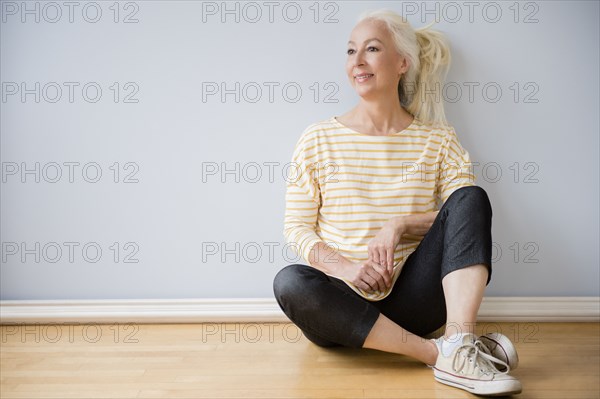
{"points": [[501, 348], [470, 368]]}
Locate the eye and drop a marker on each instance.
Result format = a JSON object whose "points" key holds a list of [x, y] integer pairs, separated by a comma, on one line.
{"points": [[370, 47], [349, 51]]}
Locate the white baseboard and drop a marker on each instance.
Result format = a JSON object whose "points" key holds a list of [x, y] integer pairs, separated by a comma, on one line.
{"points": [[498, 309]]}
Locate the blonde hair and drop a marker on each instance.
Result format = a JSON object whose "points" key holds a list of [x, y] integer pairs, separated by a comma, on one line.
{"points": [[428, 55]]}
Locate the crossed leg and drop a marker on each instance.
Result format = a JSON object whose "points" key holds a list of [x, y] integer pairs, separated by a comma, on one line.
{"points": [[442, 281], [457, 253], [463, 291]]}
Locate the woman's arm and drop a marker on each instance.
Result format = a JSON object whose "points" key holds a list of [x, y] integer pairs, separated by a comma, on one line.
{"points": [[327, 259], [415, 225]]}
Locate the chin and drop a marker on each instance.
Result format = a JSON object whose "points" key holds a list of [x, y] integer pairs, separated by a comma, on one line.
{"points": [[366, 94]]}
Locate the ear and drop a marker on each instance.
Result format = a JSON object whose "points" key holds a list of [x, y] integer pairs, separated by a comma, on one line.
{"points": [[403, 66]]}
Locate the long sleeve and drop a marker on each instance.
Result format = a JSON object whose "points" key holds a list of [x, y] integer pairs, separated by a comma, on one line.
{"points": [[454, 167], [303, 200]]}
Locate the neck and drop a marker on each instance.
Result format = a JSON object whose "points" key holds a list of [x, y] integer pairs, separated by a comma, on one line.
{"points": [[384, 115]]}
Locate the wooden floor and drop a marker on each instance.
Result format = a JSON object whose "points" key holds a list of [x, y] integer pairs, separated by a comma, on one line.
{"points": [[266, 360]]}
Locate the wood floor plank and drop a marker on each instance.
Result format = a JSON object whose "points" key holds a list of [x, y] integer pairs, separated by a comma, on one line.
{"points": [[268, 360]]}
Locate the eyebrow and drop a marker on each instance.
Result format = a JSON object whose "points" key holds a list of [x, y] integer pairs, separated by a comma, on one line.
{"points": [[368, 40]]}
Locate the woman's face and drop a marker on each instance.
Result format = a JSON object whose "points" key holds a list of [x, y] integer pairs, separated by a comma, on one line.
{"points": [[371, 51]]}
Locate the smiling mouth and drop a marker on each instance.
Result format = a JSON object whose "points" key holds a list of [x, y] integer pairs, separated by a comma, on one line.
{"points": [[363, 77]]}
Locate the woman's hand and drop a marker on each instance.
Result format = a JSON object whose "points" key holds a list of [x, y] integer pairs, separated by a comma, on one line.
{"points": [[367, 275], [382, 247]]}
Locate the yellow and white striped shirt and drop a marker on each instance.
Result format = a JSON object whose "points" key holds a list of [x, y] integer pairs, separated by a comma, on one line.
{"points": [[343, 185]]}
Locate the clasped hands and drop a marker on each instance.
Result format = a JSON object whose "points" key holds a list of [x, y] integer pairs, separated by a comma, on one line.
{"points": [[376, 273]]}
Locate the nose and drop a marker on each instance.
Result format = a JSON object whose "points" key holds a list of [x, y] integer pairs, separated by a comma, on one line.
{"points": [[360, 58], [358, 62]]}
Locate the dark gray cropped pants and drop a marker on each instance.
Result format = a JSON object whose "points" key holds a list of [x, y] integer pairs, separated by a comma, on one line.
{"points": [[330, 313]]}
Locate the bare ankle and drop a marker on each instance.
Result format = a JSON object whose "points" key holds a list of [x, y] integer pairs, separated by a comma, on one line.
{"points": [[459, 328], [432, 359]]}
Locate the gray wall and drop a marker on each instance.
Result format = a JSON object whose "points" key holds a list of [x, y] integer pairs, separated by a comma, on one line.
{"points": [[169, 222]]}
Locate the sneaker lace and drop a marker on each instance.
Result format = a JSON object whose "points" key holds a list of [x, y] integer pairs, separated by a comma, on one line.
{"points": [[478, 355]]}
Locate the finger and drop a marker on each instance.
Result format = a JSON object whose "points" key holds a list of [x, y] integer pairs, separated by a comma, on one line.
{"points": [[367, 280], [382, 257], [382, 274], [370, 278], [365, 287], [379, 274], [384, 268], [391, 264], [375, 256], [385, 275]]}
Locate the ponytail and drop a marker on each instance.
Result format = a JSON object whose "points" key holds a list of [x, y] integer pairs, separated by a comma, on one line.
{"points": [[427, 102]]}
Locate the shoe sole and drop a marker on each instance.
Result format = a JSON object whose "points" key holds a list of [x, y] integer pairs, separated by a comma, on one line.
{"points": [[503, 349], [469, 386]]}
